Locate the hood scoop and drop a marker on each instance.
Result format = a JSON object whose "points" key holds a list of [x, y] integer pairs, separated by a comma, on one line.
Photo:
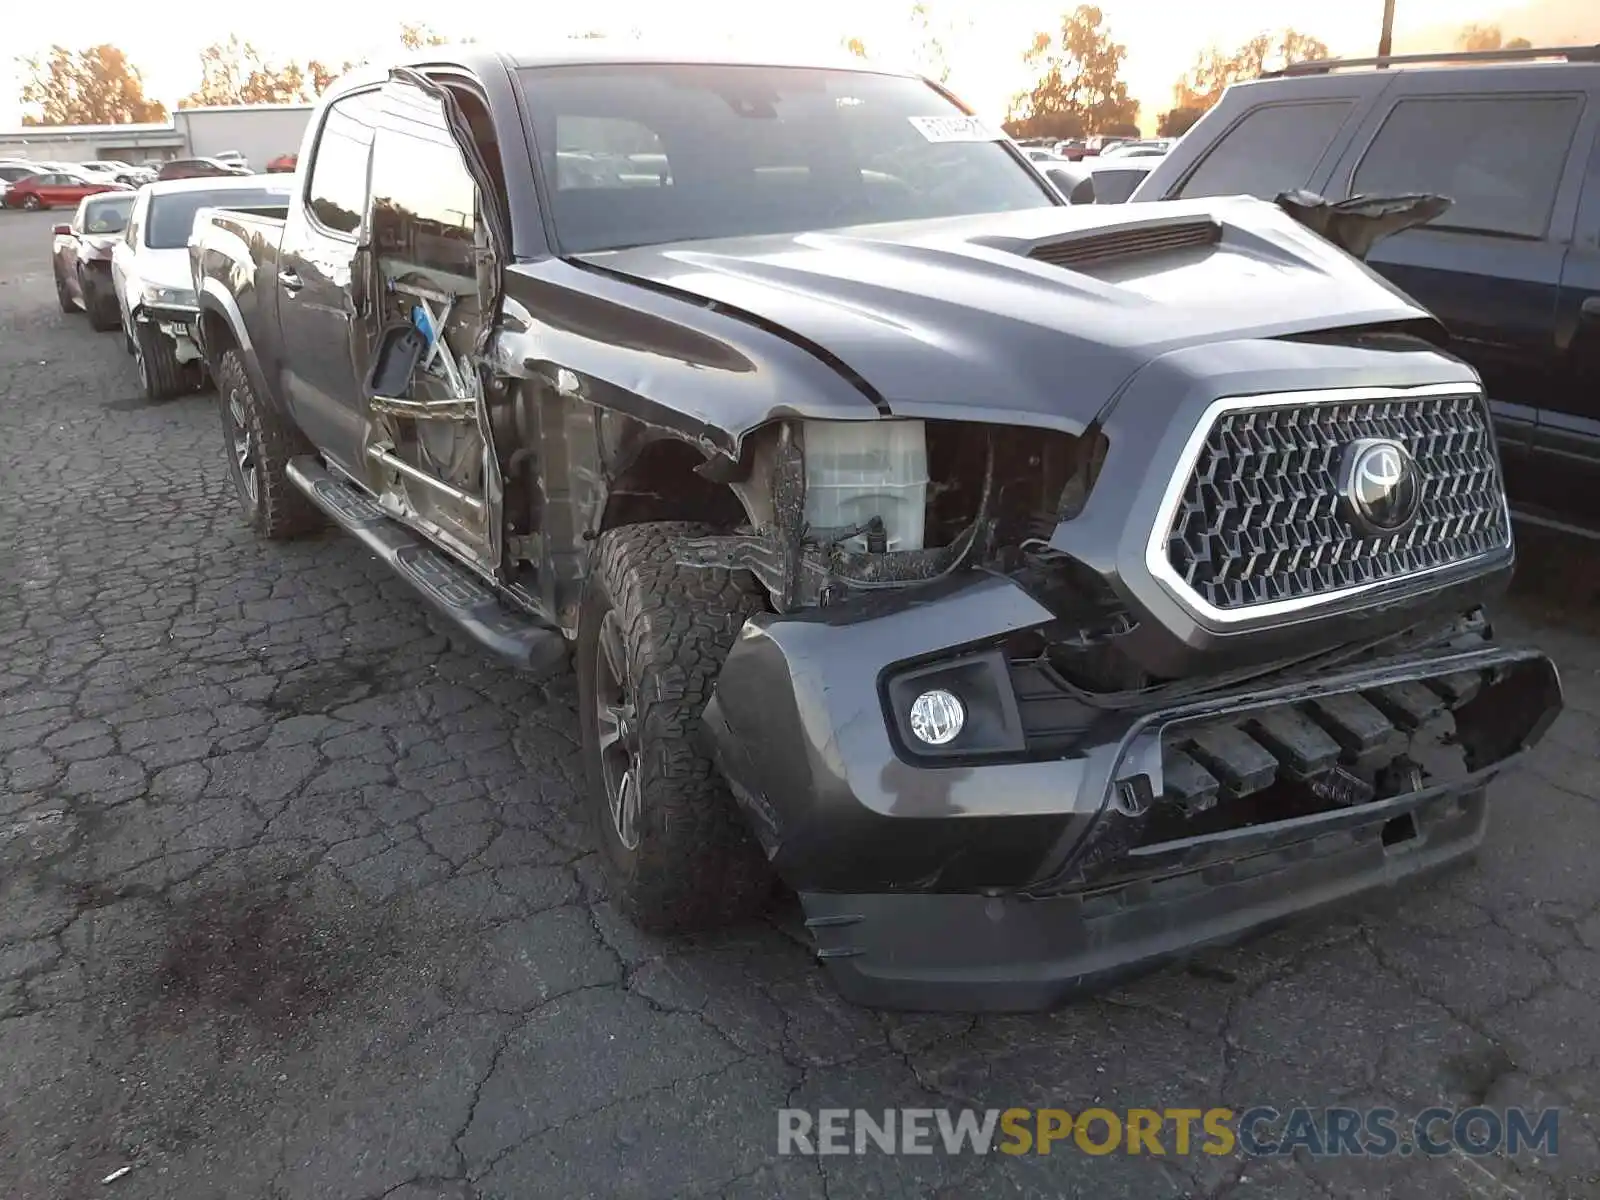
{"points": [[1110, 245]]}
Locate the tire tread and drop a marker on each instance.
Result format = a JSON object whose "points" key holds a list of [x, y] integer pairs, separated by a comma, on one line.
{"points": [[165, 377], [697, 864], [282, 511]]}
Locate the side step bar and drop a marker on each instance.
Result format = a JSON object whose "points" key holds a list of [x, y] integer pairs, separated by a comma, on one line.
{"points": [[505, 631]]}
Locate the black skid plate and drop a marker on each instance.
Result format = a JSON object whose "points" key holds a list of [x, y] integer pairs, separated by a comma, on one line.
{"points": [[475, 606]]}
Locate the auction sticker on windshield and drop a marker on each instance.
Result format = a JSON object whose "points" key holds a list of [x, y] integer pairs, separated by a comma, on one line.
{"points": [[954, 129]]}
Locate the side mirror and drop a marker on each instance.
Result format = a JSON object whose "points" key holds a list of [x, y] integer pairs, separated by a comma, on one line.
{"points": [[62, 230], [1359, 223]]}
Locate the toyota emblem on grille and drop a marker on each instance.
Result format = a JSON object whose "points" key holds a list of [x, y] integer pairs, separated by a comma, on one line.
{"points": [[1380, 487]]}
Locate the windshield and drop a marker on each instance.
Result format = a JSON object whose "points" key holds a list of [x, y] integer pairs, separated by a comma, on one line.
{"points": [[172, 216], [644, 154], [108, 216]]}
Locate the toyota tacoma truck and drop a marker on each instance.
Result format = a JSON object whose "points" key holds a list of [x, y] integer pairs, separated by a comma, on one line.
{"points": [[1039, 592]]}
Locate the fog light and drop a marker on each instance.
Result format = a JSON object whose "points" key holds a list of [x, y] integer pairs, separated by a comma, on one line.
{"points": [[937, 717]]}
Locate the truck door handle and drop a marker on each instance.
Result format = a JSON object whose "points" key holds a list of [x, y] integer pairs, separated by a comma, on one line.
{"points": [[1589, 310], [290, 280]]}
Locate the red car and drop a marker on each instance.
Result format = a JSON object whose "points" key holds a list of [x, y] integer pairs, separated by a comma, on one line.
{"points": [[56, 189], [284, 164], [198, 168], [81, 258]]}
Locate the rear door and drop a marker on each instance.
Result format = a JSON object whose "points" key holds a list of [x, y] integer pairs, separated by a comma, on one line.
{"points": [[1568, 440], [323, 359], [1490, 267]]}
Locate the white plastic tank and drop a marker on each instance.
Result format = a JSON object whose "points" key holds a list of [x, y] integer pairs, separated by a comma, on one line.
{"points": [[857, 470]]}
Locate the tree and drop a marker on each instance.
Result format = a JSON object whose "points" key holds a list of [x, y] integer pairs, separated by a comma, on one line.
{"points": [[1475, 37], [97, 86], [414, 35], [854, 46], [235, 72], [1178, 121], [1214, 70], [1079, 89], [931, 41], [322, 76]]}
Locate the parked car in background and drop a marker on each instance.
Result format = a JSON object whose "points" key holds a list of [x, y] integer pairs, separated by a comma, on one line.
{"points": [[1100, 143], [12, 169], [1512, 269], [56, 189], [282, 164], [1149, 148], [94, 170], [1043, 156], [198, 168], [123, 172], [1072, 149], [80, 257], [150, 273]]}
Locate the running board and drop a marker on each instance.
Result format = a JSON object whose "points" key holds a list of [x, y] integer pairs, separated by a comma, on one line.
{"points": [[455, 592]]}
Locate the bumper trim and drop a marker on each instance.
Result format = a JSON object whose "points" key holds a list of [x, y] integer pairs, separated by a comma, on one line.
{"points": [[974, 953]]}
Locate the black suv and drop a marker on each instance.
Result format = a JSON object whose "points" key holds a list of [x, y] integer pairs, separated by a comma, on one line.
{"points": [[1513, 269]]}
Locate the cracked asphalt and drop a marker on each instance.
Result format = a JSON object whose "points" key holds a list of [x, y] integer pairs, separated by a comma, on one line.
{"points": [[296, 901]]}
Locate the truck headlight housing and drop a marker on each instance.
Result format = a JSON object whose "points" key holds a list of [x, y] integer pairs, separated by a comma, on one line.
{"points": [[858, 470], [156, 296]]}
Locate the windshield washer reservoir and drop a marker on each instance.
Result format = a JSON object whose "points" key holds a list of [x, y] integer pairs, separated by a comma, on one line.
{"points": [[857, 470]]}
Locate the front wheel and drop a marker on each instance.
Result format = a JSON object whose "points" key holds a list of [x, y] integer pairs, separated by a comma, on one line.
{"points": [[161, 375], [652, 637], [32, 203]]}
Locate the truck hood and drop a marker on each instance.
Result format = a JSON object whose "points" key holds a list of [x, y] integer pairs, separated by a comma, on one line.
{"points": [[1046, 312]]}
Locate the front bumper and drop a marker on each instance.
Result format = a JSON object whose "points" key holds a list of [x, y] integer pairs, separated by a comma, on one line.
{"points": [[1016, 880], [178, 322], [172, 318]]}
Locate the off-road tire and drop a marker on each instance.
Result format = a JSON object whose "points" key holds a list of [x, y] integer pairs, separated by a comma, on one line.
{"points": [[279, 510], [696, 864], [160, 371], [62, 298], [99, 303]]}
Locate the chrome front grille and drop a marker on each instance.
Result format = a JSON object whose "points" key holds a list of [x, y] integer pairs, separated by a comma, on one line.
{"points": [[1259, 519]]}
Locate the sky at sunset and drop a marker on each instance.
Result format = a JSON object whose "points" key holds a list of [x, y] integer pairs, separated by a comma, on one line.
{"points": [[1162, 36]]}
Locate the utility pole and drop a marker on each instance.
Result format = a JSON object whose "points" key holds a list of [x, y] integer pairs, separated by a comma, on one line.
{"points": [[1386, 38]]}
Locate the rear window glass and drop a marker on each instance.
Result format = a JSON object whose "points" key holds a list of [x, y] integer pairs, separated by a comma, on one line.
{"points": [[172, 216], [645, 154], [108, 216], [1499, 160], [1275, 149]]}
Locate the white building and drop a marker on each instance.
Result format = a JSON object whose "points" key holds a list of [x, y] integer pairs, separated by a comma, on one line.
{"points": [[260, 132]]}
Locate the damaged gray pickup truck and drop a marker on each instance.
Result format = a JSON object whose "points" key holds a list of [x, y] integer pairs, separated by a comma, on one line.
{"points": [[1039, 592]]}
